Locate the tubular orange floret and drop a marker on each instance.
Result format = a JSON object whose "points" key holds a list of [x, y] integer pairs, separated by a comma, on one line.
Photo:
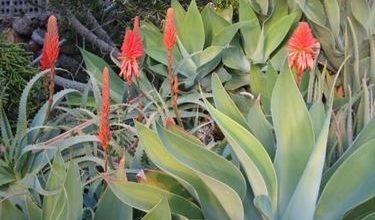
{"points": [[51, 49], [303, 49], [104, 129], [131, 51]]}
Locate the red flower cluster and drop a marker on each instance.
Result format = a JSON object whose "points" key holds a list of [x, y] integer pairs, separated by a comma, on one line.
{"points": [[303, 49], [104, 129], [131, 50], [51, 49]]}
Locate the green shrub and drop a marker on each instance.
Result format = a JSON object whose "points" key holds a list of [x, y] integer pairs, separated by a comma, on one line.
{"points": [[15, 72]]}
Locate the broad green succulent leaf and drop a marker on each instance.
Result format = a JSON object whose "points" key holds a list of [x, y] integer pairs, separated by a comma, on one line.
{"points": [[6, 177], [263, 204], [251, 212], [191, 30], [40, 117], [361, 12], [95, 66], [294, 135], [212, 206], [225, 35], [261, 128], [276, 33], [32, 210], [179, 12], [225, 104], [332, 9], [54, 205], [67, 203], [10, 211], [165, 182], [367, 134], [250, 152], [268, 83], [343, 192], [251, 31], [369, 216], [213, 23], [189, 153], [279, 10], [314, 10], [256, 78], [160, 211], [111, 208], [233, 57], [153, 39], [145, 197], [216, 172], [362, 210], [317, 113], [304, 199], [74, 193]]}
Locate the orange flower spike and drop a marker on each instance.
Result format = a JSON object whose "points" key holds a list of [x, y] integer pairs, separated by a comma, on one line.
{"points": [[104, 129], [51, 49], [303, 49], [131, 51], [170, 36]]}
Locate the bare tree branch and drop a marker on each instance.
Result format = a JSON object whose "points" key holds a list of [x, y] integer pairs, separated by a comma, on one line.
{"points": [[97, 28], [90, 36]]}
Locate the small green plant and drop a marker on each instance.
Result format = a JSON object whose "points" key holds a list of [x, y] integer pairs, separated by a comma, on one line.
{"points": [[15, 72]]}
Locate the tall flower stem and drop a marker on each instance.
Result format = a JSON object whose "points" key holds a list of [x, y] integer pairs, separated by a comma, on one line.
{"points": [[51, 90], [170, 40], [173, 82]]}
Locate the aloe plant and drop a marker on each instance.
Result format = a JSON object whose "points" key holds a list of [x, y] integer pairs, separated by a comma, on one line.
{"points": [[345, 28], [26, 157], [287, 186]]}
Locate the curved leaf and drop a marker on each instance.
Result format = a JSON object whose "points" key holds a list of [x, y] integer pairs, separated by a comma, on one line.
{"points": [[294, 134], [367, 134], [225, 104], [250, 152], [189, 153], [213, 205], [111, 208], [251, 31], [192, 38], [352, 184], [160, 211], [145, 197], [95, 66], [305, 196]]}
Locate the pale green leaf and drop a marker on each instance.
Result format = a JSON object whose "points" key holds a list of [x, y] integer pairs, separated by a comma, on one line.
{"points": [[294, 135], [111, 208], [160, 211], [352, 184]]}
